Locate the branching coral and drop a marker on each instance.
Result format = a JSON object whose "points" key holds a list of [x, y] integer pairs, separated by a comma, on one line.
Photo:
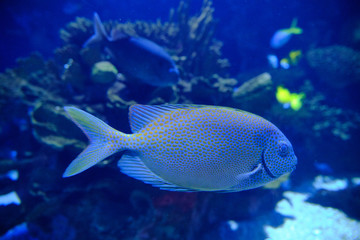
{"points": [[316, 118], [200, 53], [336, 66], [32, 81], [50, 126], [190, 40], [255, 94], [77, 32]]}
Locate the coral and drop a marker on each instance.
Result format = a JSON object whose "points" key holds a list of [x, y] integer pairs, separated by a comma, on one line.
{"points": [[329, 183], [350, 32], [36, 91], [103, 72], [33, 81], [63, 54], [200, 54], [215, 90], [189, 39], [118, 96], [338, 193], [52, 127], [318, 119], [74, 75], [299, 224], [77, 32], [255, 94], [339, 122], [315, 123], [336, 66]]}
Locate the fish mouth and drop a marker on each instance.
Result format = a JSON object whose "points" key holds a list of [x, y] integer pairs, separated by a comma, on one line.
{"points": [[267, 170]]}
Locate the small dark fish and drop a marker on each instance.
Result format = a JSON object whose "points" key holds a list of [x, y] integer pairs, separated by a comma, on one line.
{"points": [[136, 57]]}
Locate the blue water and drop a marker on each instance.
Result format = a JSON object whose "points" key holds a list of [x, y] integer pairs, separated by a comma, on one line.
{"points": [[44, 67]]}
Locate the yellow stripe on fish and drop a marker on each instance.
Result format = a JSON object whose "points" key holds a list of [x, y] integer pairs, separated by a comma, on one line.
{"points": [[189, 147]]}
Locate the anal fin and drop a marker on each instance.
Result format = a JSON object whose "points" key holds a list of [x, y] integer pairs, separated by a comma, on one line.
{"points": [[135, 168]]}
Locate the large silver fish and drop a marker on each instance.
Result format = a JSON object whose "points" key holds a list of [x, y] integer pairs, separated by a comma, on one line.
{"points": [[136, 57], [189, 147]]}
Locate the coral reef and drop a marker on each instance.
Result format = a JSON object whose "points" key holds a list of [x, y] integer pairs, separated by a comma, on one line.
{"points": [[338, 193], [77, 32], [317, 119], [103, 72], [35, 92], [215, 90], [297, 215], [329, 184], [190, 40], [35, 129], [73, 75], [199, 52], [51, 127], [32, 81], [350, 32], [299, 224], [256, 92], [336, 66]]}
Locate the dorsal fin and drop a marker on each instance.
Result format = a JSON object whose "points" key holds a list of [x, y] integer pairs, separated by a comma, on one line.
{"points": [[141, 115], [99, 32]]}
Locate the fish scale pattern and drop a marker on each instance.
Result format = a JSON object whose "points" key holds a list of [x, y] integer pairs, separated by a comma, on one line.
{"points": [[189, 147], [201, 147]]}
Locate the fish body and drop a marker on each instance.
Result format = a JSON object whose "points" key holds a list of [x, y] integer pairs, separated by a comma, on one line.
{"points": [[282, 36], [273, 60], [189, 147], [136, 57]]}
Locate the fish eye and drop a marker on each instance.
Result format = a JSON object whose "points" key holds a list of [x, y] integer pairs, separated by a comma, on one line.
{"points": [[283, 149]]}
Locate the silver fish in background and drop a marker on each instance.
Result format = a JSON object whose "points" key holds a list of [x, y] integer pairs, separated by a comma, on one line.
{"points": [[136, 57], [189, 147]]}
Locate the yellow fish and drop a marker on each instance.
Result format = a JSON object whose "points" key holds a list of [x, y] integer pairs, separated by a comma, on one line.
{"points": [[294, 56], [288, 99]]}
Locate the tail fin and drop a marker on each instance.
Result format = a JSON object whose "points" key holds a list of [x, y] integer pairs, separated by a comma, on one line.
{"points": [[102, 141], [293, 28], [99, 32]]}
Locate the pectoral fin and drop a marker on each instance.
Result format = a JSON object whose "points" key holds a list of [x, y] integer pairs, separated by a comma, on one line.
{"points": [[246, 176]]}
